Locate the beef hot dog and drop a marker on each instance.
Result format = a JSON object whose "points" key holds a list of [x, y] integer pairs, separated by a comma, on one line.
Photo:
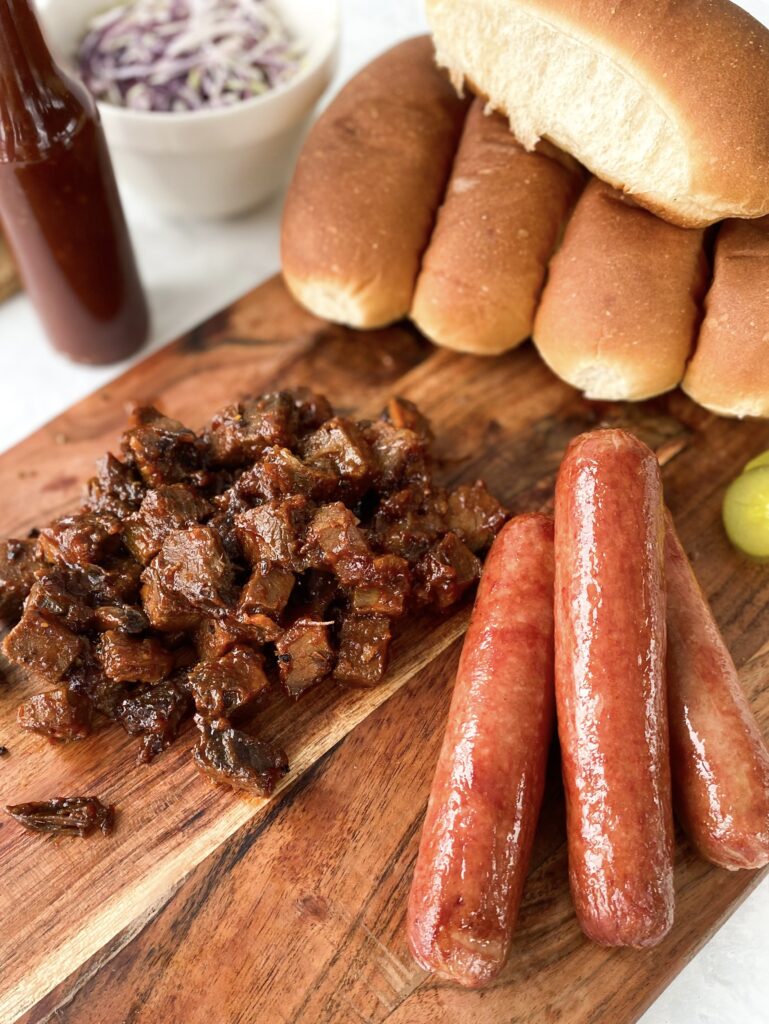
{"points": [[487, 790], [719, 759], [610, 694]]}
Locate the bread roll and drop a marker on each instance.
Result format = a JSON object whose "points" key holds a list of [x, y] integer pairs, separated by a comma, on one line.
{"points": [[667, 101], [729, 372], [485, 265], [620, 311], [362, 204]]}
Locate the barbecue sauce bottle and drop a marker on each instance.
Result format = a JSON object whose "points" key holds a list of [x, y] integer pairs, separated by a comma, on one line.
{"points": [[59, 205]]}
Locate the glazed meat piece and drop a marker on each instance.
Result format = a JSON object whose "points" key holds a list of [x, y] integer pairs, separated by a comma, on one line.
{"points": [[167, 508], [236, 759], [363, 649], [116, 488], [42, 645], [408, 521], [122, 617], [126, 659], [335, 542], [400, 455], [280, 473], [311, 409], [404, 415], [155, 713], [116, 582], [74, 815], [239, 434], [62, 594], [304, 655], [215, 637], [314, 592], [446, 572], [162, 450], [83, 539], [228, 684], [223, 522], [273, 532], [267, 591], [18, 565], [190, 575], [384, 588], [474, 515], [338, 446], [59, 714]]}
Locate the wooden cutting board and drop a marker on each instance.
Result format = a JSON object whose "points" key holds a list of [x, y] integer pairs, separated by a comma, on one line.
{"points": [[205, 906]]}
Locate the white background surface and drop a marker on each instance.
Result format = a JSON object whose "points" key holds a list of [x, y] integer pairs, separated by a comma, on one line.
{"points": [[191, 270]]}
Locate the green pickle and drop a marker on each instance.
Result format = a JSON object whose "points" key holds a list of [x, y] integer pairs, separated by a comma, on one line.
{"points": [[760, 460], [746, 512]]}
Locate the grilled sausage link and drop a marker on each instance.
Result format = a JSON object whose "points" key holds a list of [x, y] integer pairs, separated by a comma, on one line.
{"points": [[487, 791], [719, 759], [610, 692]]}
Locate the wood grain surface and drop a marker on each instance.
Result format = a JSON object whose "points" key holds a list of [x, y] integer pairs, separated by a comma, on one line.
{"points": [[205, 906]]}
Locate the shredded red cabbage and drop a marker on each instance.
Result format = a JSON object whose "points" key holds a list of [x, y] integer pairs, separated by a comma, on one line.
{"points": [[179, 55]]}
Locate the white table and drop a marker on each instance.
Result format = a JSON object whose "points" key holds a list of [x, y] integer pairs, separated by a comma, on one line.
{"points": [[191, 270]]}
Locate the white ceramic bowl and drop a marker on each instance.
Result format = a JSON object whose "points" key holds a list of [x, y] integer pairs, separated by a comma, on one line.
{"points": [[216, 162]]}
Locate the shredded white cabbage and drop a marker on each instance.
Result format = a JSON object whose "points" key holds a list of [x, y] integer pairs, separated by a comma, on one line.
{"points": [[179, 55]]}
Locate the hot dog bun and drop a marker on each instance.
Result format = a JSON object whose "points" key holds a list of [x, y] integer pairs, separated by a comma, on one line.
{"points": [[667, 101], [620, 310], [367, 186], [485, 265], [729, 373]]}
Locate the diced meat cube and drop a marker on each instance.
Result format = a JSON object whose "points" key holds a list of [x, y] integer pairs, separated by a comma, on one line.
{"points": [[116, 488], [124, 618], [273, 532], [446, 571], [114, 583], [339, 446], [163, 450], [385, 589], [163, 510], [82, 539], [156, 713], [223, 521], [312, 409], [304, 655], [280, 473], [239, 434], [215, 637], [43, 646], [334, 541], [233, 758], [400, 455], [408, 521], [267, 591], [363, 650], [404, 415], [60, 714], [474, 515], [18, 565], [228, 684], [61, 593], [314, 592], [190, 574], [126, 659]]}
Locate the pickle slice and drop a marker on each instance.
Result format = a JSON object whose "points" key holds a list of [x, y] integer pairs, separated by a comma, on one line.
{"points": [[746, 513], [760, 460]]}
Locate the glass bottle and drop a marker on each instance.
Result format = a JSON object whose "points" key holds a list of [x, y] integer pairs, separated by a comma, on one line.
{"points": [[59, 204]]}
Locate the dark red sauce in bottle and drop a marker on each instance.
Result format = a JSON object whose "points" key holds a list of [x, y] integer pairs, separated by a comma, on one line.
{"points": [[59, 205]]}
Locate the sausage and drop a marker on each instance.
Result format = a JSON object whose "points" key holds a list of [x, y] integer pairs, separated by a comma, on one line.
{"points": [[610, 688], [367, 186], [487, 790], [719, 759]]}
